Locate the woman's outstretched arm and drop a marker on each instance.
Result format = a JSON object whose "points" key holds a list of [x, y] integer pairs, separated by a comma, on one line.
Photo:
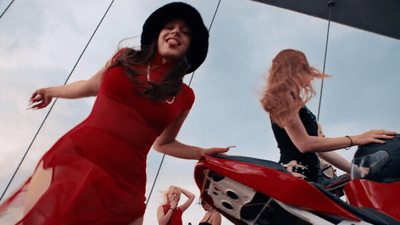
{"points": [[337, 160], [166, 143], [78, 89], [306, 143]]}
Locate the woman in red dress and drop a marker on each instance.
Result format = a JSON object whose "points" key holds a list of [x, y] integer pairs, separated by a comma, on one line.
{"points": [[96, 173], [169, 213]]}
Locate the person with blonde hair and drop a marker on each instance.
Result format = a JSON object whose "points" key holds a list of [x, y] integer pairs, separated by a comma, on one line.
{"points": [[294, 126], [169, 212]]}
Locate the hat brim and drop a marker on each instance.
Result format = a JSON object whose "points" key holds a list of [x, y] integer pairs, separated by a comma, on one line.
{"points": [[198, 48]]}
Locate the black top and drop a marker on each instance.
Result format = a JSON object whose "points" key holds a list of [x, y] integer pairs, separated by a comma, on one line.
{"points": [[206, 223], [289, 151]]}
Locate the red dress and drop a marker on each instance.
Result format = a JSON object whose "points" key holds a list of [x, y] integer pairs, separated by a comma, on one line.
{"points": [[99, 167], [176, 217]]}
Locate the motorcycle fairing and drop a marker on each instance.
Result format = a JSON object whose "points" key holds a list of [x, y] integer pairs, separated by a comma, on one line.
{"points": [[384, 197], [237, 187], [260, 173]]}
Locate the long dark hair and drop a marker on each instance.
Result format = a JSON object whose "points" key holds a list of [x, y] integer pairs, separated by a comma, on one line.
{"points": [[171, 82]]}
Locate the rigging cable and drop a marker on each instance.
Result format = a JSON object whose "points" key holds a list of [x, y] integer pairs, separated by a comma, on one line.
{"points": [[51, 107], [190, 82], [330, 5], [6, 11]]}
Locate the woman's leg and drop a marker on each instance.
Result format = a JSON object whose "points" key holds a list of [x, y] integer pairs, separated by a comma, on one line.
{"points": [[38, 185]]}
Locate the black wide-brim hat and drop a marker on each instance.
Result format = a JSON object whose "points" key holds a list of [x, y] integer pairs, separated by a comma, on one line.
{"points": [[197, 52]]}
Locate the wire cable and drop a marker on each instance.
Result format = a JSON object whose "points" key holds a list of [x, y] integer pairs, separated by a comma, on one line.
{"points": [[6, 9], [51, 107], [190, 82], [209, 28], [330, 5]]}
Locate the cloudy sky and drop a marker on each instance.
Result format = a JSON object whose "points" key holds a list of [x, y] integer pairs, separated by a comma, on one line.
{"points": [[40, 42]]}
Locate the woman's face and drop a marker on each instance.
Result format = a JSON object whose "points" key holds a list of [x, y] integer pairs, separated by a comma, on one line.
{"points": [[206, 206], [174, 195], [174, 40]]}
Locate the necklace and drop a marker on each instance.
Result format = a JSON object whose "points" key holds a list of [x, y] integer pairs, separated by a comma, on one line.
{"points": [[148, 79]]}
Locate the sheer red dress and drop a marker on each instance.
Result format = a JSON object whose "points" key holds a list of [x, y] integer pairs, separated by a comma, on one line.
{"points": [[99, 167], [176, 217]]}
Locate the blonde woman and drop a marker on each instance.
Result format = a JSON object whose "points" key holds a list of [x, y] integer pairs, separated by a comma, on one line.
{"points": [[169, 212]]}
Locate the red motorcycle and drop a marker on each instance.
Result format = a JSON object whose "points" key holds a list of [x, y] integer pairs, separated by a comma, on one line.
{"points": [[260, 192]]}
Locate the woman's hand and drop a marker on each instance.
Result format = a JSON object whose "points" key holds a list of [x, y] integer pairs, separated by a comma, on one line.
{"points": [[174, 204], [372, 136], [291, 169], [40, 99], [359, 172], [78, 89], [213, 151]]}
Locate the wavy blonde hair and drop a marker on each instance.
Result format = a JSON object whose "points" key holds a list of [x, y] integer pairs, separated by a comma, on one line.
{"points": [[289, 86]]}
